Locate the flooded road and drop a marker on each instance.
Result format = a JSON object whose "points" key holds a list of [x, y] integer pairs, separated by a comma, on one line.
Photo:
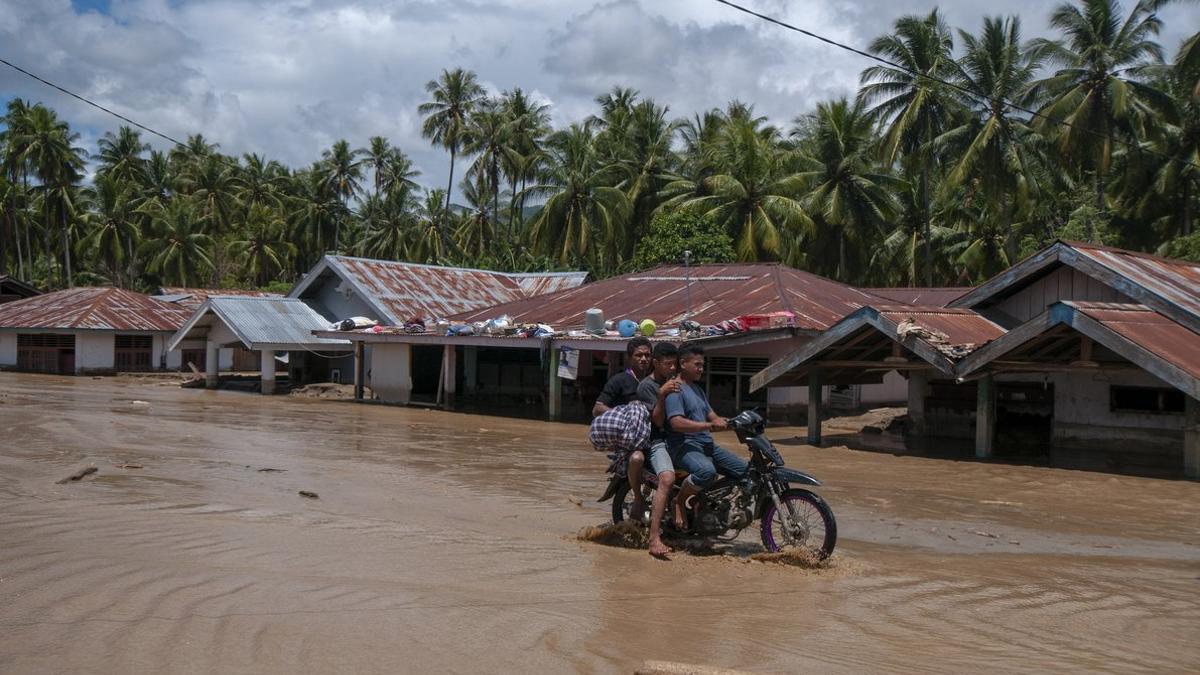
{"points": [[445, 542]]}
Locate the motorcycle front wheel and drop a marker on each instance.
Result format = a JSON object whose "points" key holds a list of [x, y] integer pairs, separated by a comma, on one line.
{"points": [[811, 527]]}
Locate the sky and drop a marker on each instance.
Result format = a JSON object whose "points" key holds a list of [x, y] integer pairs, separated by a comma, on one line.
{"points": [[287, 78]]}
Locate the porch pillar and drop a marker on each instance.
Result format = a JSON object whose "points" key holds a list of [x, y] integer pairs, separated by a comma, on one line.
{"points": [[470, 366], [1191, 438], [985, 417], [555, 389], [267, 370], [212, 364], [918, 389], [450, 373], [814, 406], [360, 369]]}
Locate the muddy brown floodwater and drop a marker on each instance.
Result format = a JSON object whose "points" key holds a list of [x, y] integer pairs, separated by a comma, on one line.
{"points": [[446, 542]]}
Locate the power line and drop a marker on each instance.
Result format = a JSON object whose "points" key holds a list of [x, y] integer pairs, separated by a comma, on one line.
{"points": [[969, 92], [91, 103]]}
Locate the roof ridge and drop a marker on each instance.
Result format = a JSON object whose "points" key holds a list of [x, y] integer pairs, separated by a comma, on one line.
{"points": [[1128, 252], [447, 267]]}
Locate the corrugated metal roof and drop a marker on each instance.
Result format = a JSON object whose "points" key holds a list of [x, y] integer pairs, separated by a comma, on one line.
{"points": [[403, 290], [257, 322], [1176, 282], [192, 298], [718, 292], [928, 297], [963, 329], [93, 309], [1149, 330], [14, 289]]}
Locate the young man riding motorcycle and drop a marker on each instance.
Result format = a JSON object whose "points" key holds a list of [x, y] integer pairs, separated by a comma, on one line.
{"points": [[620, 389], [690, 421], [653, 392]]}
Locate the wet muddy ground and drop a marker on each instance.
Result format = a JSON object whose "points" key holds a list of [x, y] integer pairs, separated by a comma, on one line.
{"points": [[447, 542]]}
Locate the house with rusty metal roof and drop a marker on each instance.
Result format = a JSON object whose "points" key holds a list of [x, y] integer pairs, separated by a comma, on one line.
{"points": [[1079, 351], [394, 292], [88, 330], [505, 369], [14, 289], [192, 298]]}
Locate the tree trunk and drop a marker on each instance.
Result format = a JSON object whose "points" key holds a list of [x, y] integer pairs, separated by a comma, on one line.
{"points": [[1187, 207], [5, 227], [925, 220], [1099, 186], [445, 220], [20, 252], [495, 195], [1010, 244], [842, 255], [67, 249]]}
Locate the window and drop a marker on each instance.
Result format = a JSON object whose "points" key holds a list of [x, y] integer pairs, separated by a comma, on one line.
{"points": [[1158, 400], [729, 382], [46, 352], [133, 353]]}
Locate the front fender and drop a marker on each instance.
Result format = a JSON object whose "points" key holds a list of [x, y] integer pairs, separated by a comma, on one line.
{"points": [[611, 490], [793, 476]]}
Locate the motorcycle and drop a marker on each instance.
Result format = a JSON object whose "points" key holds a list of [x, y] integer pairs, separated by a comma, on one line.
{"points": [[790, 518]]}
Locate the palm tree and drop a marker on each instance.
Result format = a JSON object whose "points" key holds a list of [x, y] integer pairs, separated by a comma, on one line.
{"points": [[314, 214], [261, 181], [490, 140], [455, 96], [58, 164], [584, 215], [393, 224], [998, 150], [342, 172], [427, 244], [398, 173], [1097, 96], [753, 193], [529, 124], [112, 225], [211, 182], [121, 155], [476, 232], [647, 161], [912, 100], [846, 192], [265, 249], [177, 246], [376, 156]]}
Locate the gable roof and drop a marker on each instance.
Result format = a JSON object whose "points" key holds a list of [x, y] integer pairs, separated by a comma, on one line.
{"points": [[15, 288], [938, 335], [718, 292], [96, 308], [398, 291], [921, 296], [1134, 332], [263, 323], [1171, 287]]}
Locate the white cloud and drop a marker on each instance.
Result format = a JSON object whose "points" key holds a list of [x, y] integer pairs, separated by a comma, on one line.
{"points": [[286, 78]]}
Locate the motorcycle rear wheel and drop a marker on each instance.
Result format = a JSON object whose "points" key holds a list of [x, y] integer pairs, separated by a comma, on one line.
{"points": [[816, 532]]}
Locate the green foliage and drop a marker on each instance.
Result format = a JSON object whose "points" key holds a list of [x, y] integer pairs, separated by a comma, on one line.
{"points": [[1183, 248], [672, 233], [909, 182]]}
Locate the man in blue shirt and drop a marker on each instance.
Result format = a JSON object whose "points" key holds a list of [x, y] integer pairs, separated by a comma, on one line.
{"points": [[690, 421]]}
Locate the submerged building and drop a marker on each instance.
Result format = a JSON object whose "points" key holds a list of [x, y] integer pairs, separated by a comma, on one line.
{"points": [[1078, 347]]}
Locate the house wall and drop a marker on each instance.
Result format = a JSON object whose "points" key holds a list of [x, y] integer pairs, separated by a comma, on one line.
{"points": [[390, 377], [334, 305], [1064, 283], [8, 349], [94, 351], [1082, 416]]}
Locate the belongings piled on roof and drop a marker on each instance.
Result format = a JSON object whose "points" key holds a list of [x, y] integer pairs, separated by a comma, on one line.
{"points": [[594, 326]]}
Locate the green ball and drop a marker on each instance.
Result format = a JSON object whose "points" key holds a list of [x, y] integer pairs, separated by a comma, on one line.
{"points": [[648, 327]]}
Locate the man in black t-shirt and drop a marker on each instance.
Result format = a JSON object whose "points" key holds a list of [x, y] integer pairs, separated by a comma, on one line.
{"points": [[620, 389]]}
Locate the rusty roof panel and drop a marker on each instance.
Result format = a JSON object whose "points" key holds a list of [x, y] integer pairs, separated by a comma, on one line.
{"points": [[961, 328], [718, 292], [93, 309], [192, 298], [1177, 282], [406, 289], [1149, 330], [927, 297]]}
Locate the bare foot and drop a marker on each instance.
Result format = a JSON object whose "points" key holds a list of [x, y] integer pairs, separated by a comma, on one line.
{"points": [[680, 519], [660, 550]]}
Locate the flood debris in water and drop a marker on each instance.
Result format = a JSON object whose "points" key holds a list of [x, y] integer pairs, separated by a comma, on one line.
{"points": [[308, 494], [79, 475], [673, 668], [270, 470]]}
